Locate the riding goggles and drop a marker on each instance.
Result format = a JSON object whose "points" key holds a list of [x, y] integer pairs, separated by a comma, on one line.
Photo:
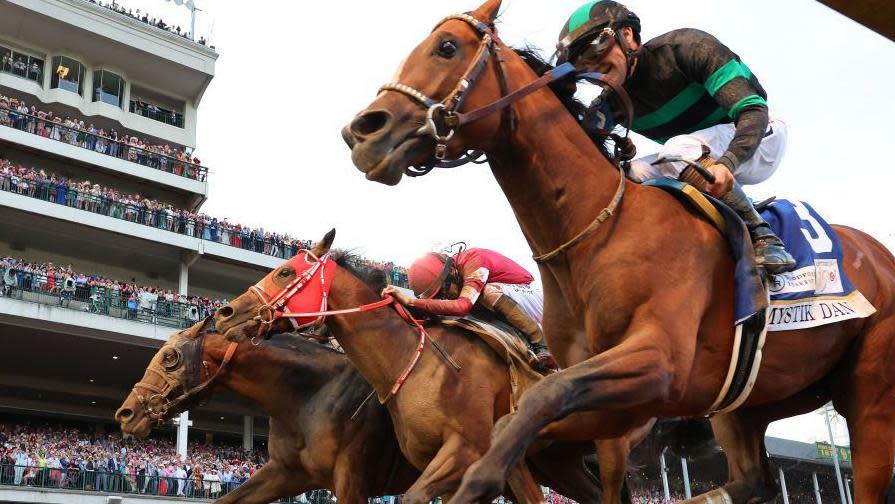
{"points": [[597, 49]]}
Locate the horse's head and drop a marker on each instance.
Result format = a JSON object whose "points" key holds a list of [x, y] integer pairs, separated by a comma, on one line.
{"points": [[453, 67], [300, 285], [175, 370]]}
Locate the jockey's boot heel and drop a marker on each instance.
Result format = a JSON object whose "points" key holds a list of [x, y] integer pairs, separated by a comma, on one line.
{"points": [[543, 360], [770, 252]]}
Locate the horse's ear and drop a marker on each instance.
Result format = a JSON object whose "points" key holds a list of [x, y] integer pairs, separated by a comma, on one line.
{"points": [[322, 247], [488, 11]]}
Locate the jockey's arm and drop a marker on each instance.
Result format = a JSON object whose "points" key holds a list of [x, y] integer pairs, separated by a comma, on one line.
{"points": [[731, 83], [459, 307]]}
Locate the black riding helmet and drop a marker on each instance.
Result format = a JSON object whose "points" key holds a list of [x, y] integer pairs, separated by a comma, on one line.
{"points": [[594, 21]]}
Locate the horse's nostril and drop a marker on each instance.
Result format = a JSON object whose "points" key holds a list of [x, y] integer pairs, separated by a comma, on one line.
{"points": [[225, 312], [125, 413], [370, 123]]}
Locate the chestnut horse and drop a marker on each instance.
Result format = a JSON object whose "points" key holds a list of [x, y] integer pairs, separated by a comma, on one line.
{"points": [[442, 417], [310, 393], [639, 311]]}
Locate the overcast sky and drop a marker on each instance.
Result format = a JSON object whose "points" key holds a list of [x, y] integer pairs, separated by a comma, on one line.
{"points": [[291, 74]]}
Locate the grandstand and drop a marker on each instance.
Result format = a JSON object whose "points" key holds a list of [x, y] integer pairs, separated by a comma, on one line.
{"points": [[64, 358]]}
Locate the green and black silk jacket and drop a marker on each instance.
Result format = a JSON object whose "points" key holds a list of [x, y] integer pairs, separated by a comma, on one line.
{"points": [[686, 80]]}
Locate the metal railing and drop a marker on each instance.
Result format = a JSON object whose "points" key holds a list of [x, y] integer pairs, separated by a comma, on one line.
{"points": [[66, 292], [103, 480], [157, 113], [160, 218], [101, 144]]}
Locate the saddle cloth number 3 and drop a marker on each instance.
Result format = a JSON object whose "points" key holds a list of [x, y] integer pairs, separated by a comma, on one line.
{"points": [[813, 231]]}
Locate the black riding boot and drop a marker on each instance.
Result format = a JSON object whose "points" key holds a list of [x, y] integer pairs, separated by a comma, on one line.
{"points": [[770, 252]]}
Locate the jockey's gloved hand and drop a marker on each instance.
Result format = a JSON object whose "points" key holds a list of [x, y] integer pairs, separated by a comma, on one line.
{"points": [[399, 296]]}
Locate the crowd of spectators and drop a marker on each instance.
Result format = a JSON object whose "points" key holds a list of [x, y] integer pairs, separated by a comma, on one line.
{"points": [[98, 294], [95, 198], [66, 457], [150, 20], [17, 65], [16, 113]]}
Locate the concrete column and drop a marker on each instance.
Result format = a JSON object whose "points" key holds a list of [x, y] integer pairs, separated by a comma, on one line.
{"points": [[247, 431], [183, 426], [783, 486], [183, 284], [687, 493]]}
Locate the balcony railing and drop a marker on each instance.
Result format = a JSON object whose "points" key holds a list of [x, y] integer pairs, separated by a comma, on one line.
{"points": [[160, 218], [66, 293], [101, 144], [131, 482], [157, 113]]}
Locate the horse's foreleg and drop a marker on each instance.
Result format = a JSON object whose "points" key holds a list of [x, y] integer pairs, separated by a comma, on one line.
{"points": [[741, 435], [269, 484], [443, 473], [525, 488], [632, 374], [561, 467]]}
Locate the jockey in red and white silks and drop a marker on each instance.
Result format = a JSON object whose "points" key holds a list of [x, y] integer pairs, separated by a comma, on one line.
{"points": [[452, 285]]}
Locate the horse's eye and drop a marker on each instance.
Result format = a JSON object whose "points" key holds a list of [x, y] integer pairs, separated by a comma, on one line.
{"points": [[447, 49], [285, 272], [171, 359]]}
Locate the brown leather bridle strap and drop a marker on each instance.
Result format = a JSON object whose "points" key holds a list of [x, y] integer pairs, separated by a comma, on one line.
{"points": [[536, 85], [228, 356]]}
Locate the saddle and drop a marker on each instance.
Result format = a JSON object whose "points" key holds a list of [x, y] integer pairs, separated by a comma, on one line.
{"points": [[507, 342]]}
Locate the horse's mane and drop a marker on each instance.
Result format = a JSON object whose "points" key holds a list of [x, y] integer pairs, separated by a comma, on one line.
{"points": [[564, 89], [373, 277]]}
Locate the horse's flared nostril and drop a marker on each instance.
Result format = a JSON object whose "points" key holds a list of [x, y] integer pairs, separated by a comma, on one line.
{"points": [[124, 414], [370, 123], [224, 312]]}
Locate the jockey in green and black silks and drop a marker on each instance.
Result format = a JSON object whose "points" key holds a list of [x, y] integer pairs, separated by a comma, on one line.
{"points": [[694, 96]]}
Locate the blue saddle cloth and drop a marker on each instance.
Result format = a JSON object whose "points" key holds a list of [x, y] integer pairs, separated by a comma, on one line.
{"points": [[817, 291]]}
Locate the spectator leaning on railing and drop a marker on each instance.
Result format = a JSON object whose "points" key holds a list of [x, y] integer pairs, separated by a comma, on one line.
{"points": [[16, 114], [100, 294]]}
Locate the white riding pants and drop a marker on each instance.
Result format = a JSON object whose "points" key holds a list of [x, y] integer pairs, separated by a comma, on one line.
{"points": [[754, 170]]}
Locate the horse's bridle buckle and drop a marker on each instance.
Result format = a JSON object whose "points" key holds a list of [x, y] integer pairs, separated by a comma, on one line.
{"points": [[432, 128], [266, 314]]}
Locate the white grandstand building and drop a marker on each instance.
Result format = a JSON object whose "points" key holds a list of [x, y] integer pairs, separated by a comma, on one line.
{"points": [[70, 356]]}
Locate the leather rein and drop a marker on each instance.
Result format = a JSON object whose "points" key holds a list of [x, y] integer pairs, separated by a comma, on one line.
{"points": [[443, 118], [157, 406], [273, 308]]}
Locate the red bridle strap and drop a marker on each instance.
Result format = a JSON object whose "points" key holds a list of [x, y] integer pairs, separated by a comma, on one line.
{"points": [[367, 307], [274, 308]]}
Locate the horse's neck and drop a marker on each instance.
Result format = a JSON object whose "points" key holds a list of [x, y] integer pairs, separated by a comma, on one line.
{"points": [[378, 342], [554, 177], [262, 374]]}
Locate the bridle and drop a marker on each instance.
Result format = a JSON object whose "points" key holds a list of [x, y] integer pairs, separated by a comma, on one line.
{"points": [[276, 307], [157, 406], [443, 118]]}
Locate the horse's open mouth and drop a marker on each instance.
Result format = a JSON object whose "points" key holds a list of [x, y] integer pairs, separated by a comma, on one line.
{"points": [[139, 428], [412, 150]]}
